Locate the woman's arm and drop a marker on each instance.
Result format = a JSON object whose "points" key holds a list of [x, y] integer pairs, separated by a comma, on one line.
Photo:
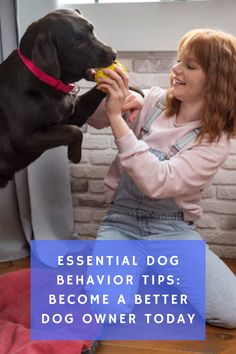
{"points": [[132, 105], [184, 173], [130, 111]]}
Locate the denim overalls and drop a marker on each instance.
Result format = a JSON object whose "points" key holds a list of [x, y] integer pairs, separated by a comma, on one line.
{"points": [[149, 216], [134, 216]]}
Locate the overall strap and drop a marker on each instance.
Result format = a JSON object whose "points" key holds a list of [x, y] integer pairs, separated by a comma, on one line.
{"points": [[158, 109], [190, 136]]}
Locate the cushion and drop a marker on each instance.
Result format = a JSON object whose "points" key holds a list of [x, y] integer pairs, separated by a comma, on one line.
{"points": [[15, 321]]}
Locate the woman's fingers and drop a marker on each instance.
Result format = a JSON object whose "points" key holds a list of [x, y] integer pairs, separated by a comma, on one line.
{"points": [[119, 77], [133, 115], [124, 76], [131, 103], [129, 99], [114, 84], [110, 86]]}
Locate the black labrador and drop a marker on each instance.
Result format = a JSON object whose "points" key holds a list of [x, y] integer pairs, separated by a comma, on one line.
{"points": [[35, 115]]}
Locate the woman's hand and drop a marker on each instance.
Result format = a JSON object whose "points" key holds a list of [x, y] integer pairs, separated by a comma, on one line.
{"points": [[117, 90], [116, 86], [134, 105], [131, 102]]}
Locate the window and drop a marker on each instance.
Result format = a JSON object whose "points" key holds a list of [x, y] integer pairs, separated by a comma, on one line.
{"points": [[64, 2]]}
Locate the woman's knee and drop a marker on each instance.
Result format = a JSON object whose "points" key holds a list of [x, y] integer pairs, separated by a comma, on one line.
{"points": [[227, 320]]}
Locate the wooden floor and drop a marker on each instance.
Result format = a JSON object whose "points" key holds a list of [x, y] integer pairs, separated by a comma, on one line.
{"points": [[219, 340]]}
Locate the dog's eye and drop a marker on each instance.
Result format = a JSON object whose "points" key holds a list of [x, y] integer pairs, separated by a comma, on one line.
{"points": [[78, 39], [79, 43]]}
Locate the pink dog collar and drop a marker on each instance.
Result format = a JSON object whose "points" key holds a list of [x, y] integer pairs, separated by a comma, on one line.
{"points": [[47, 79]]}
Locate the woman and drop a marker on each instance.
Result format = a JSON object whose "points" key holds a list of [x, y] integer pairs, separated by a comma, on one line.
{"points": [[156, 180]]}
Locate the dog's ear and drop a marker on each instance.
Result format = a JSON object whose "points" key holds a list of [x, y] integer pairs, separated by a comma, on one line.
{"points": [[44, 56]]}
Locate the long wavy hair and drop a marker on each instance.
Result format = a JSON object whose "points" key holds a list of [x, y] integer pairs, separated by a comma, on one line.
{"points": [[215, 51]]}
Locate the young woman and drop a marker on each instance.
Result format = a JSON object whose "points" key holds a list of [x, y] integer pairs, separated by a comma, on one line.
{"points": [[171, 152]]}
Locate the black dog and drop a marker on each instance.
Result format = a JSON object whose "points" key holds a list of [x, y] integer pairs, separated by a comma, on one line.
{"points": [[34, 115]]}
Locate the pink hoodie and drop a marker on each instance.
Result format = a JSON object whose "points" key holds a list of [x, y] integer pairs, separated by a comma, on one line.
{"points": [[183, 177]]}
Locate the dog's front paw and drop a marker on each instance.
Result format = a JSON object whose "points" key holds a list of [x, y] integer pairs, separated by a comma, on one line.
{"points": [[74, 155]]}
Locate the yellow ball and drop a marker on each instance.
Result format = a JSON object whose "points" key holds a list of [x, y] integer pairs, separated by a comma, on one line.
{"points": [[100, 73]]}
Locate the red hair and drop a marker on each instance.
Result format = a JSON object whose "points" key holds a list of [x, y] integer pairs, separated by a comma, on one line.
{"points": [[215, 51]]}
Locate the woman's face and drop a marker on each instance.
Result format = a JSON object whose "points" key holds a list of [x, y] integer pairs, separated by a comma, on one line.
{"points": [[188, 80]]}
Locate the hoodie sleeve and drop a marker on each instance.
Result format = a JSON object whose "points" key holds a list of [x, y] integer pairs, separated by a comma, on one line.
{"points": [[99, 119], [186, 172]]}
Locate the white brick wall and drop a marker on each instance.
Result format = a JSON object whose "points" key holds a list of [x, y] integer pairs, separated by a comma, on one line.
{"points": [[218, 224]]}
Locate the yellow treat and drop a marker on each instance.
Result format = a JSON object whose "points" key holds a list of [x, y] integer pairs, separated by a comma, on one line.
{"points": [[100, 73]]}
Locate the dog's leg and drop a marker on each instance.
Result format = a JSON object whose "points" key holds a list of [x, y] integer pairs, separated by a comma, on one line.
{"points": [[56, 136], [87, 104]]}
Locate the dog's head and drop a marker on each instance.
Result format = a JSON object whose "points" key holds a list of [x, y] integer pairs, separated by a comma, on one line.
{"points": [[63, 45]]}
